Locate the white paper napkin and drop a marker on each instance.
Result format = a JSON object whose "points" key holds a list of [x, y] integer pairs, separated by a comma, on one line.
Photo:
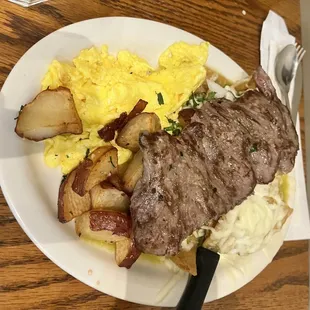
{"points": [[274, 37]]}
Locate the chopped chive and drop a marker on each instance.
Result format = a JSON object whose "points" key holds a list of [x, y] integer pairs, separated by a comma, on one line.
{"points": [[253, 148], [175, 127], [160, 98], [112, 162], [211, 95]]}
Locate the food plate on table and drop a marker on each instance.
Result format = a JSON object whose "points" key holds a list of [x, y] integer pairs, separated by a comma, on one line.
{"points": [[89, 143]]}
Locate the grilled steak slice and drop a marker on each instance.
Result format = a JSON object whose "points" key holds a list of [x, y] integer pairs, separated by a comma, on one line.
{"points": [[224, 150], [289, 136]]}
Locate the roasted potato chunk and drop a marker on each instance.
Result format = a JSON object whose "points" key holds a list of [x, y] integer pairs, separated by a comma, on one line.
{"points": [[107, 197], [70, 204], [96, 168], [116, 181], [186, 260], [103, 225], [128, 137], [126, 253], [51, 113], [133, 173]]}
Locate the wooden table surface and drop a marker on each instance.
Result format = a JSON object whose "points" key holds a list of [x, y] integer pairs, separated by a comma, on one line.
{"points": [[29, 280]]}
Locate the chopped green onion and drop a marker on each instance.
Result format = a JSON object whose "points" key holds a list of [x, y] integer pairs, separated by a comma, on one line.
{"points": [[112, 162], [253, 148], [160, 99], [211, 95], [175, 127]]}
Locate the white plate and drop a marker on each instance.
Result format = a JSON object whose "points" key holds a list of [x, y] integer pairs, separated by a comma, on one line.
{"points": [[31, 188]]}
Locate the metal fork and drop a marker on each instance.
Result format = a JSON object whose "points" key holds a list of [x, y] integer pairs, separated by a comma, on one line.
{"points": [[300, 53], [298, 82]]}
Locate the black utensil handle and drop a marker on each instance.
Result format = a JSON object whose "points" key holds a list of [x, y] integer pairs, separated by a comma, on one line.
{"points": [[198, 286]]}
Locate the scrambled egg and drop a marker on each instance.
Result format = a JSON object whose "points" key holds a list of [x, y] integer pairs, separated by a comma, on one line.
{"points": [[104, 86]]}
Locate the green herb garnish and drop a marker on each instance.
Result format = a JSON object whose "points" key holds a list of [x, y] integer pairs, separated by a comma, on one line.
{"points": [[112, 162], [175, 127], [87, 153], [253, 148], [195, 100], [160, 99], [211, 95]]}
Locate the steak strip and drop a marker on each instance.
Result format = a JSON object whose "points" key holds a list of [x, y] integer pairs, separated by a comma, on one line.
{"points": [[224, 150]]}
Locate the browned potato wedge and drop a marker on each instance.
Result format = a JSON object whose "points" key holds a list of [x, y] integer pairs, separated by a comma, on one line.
{"points": [[70, 204], [51, 113], [106, 196], [123, 167], [126, 253], [116, 181], [186, 261], [128, 137], [100, 165], [102, 225], [133, 173]]}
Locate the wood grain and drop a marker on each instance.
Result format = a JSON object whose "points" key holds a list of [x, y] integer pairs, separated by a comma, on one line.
{"points": [[29, 280]]}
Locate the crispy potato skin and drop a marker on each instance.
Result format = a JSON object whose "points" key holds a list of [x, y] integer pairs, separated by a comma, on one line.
{"points": [[83, 228], [82, 174], [138, 108], [186, 261], [28, 115], [117, 222], [107, 133], [126, 253], [100, 164], [70, 204]]}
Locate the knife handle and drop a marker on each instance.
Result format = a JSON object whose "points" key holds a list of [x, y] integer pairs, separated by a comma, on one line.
{"points": [[198, 286]]}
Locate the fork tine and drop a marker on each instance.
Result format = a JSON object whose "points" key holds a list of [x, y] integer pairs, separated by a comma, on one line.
{"points": [[299, 52], [300, 57]]}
